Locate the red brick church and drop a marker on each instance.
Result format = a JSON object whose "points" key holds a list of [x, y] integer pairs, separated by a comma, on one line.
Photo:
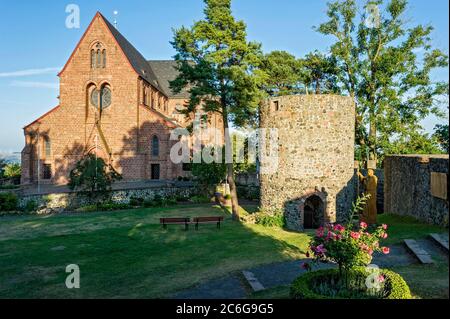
{"points": [[112, 102]]}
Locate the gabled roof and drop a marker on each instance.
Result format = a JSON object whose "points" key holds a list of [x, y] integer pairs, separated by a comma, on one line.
{"points": [[137, 61], [166, 71]]}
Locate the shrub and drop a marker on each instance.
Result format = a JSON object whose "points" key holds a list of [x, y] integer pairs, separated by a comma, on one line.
{"points": [[136, 201], [31, 206], [8, 202], [12, 170], [268, 220], [200, 199], [348, 246], [327, 284]]}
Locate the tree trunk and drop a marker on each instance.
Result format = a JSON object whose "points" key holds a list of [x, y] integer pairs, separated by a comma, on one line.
{"points": [[372, 139], [230, 168]]}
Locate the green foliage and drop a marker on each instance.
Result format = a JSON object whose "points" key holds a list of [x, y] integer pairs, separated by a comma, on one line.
{"points": [[270, 220], [380, 66], [6, 187], [12, 170], [93, 176], [30, 206], [3, 163], [327, 284], [208, 175], [8, 202], [200, 199], [282, 73], [136, 201], [441, 135], [243, 164], [319, 73], [103, 207], [218, 64], [415, 143], [227, 197]]}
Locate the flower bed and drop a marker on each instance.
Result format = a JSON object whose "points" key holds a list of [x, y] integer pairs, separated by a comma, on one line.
{"points": [[359, 283]]}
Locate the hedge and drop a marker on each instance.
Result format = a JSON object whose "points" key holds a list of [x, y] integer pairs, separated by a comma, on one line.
{"points": [[395, 285]]}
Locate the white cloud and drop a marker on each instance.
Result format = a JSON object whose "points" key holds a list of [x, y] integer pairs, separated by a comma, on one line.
{"points": [[29, 72], [35, 85]]}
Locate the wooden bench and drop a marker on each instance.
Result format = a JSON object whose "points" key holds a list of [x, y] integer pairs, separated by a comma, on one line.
{"points": [[175, 221], [207, 220]]}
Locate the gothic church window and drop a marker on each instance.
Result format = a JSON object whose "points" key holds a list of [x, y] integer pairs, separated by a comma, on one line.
{"points": [[155, 146], [48, 147], [98, 57]]}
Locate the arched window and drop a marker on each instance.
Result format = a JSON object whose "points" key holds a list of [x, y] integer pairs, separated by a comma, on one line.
{"points": [[104, 58], [99, 59], [47, 147], [92, 59], [98, 56], [155, 146]]}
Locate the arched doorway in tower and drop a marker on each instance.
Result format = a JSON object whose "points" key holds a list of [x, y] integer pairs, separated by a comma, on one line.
{"points": [[313, 212]]}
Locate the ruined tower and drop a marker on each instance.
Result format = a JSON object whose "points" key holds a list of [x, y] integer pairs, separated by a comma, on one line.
{"points": [[314, 180]]}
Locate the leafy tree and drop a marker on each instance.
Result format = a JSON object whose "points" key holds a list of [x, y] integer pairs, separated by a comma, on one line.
{"points": [[319, 73], [12, 170], [416, 143], [93, 176], [385, 66], [209, 174], [282, 73], [441, 134], [243, 165], [219, 67]]}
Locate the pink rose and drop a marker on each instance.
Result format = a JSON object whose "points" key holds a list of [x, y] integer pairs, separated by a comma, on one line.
{"points": [[370, 252], [385, 250], [339, 228], [384, 235], [381, 279], [384, 226], [363, 225], [355, 235]]}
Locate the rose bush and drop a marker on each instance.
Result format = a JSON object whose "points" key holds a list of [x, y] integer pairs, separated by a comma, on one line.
{"points": [[348, 246]]}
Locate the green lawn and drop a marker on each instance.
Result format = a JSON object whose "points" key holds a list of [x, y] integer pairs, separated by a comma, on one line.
{"points": [[128, 255], [405, 227]]}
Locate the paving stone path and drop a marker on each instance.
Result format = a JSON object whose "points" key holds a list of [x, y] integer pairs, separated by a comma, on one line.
{"points": [[235, 286]]}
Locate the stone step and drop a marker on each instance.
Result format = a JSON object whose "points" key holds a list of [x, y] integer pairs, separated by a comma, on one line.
{"points": [[253, 281], [440, 240], [421, 254]]}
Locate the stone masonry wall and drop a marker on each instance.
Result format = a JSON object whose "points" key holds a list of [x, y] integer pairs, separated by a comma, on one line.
{"points": [[56, 203], [407, 187], [316, 156]]}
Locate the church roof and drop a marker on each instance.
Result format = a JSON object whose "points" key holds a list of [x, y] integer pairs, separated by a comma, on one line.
{"points": [[137, 61], [159, 73], [165, 71]]}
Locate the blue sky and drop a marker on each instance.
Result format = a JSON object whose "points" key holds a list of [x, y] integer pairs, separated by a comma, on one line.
{"points": [[35, 44]]}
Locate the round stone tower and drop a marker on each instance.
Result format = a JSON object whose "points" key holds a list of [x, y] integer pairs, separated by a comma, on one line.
{"points": [[314, 181]]}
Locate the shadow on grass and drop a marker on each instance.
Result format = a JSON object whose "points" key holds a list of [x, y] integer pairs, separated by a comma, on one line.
{"points": [[128, 255]]}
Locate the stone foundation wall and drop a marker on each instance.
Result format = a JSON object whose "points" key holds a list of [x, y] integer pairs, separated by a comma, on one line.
{"points": [[315, 156], [407, 187], [56, 203]]}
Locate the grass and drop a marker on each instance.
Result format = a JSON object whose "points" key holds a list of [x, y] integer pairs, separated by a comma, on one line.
{"points": [[405, 227], [128, 255]]}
